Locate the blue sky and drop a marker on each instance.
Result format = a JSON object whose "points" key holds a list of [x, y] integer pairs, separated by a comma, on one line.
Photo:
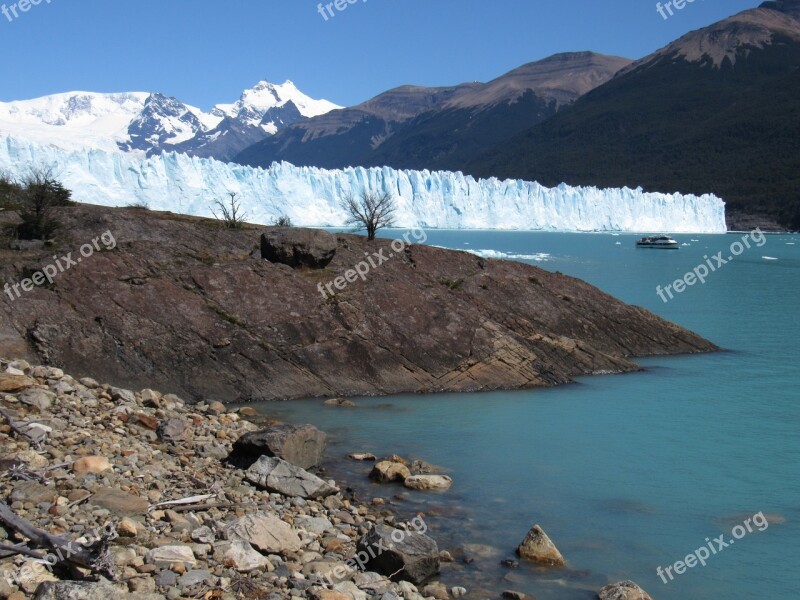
{"points": [[206, 51]]}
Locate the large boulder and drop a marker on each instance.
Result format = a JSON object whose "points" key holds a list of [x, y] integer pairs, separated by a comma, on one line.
{"points": [[387, 471], [539, 548], [301, 445], [398, 554], [425, 483], [266, 532], [298, 247], [624, 590], [279, 476]]}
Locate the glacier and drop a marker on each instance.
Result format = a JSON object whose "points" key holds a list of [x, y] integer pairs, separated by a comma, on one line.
{"points": [[311, 196]]}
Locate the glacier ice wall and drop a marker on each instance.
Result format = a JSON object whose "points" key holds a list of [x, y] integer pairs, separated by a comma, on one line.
{"points": [[310, 196]]}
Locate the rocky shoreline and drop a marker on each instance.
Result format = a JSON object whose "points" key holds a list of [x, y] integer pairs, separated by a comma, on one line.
{"points": [[155, 498]]}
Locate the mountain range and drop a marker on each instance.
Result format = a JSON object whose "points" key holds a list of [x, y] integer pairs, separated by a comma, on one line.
{"points": [[152, 123], [437, 128]]}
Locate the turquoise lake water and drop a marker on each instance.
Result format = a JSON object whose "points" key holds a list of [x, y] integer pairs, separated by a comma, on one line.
{"points": [[626, 473]]}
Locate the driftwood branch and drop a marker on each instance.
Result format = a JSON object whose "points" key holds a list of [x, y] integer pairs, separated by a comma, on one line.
{"points": [[183, 501], [204, 507], [17, 427], [95, 556], [7, 550]]}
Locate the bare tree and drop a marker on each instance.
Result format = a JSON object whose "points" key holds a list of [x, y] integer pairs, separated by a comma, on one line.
{"points": [[229, 212], [371, 211]]}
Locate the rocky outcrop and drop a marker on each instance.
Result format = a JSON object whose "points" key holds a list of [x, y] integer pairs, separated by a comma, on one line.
{"points": [[624, 590], [399, 554], [539, 548], [181, 305], [428, 482], [298, 247], [277, 475], [300, 445]]}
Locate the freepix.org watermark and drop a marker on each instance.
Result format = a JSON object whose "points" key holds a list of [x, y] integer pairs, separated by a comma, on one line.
{"points": [[47, 274], [327, 10], [701, 272], [373, 261], [712, 548], [666, 10], [15, 10]]}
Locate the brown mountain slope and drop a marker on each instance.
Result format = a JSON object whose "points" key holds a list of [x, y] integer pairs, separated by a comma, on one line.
{"points": [[184, 305], [562, 77], [437, 128]]}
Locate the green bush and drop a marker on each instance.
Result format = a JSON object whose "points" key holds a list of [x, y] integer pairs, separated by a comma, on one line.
{"points": [[10, 192], [282, 221], [39, 195]]}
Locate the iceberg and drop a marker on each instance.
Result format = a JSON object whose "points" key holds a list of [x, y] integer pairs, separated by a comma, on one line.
{"points": [[311, 196]]}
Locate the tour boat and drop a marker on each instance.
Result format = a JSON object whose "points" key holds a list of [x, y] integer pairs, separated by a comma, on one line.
{"points": [[663, 241]]}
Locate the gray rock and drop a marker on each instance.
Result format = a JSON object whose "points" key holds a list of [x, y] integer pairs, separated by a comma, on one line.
{"points": [[33, 492], [420, 467], [349, 589], [387, 471], [195, 577], [436, 590], [26, 244], [120, 503], [297, 247], [362, 456], [402, 555], [624, 590], [539, 548], [328, 571], [279, 476], [167, 579], [41, 399], [6, 584], [212, 450], [318, 525], [122, 395], [173, 430], [428, 482], [241, 555], [301, 445], [371, 582], [73, 590], [168, 556], [266, 532], [203, 535]]}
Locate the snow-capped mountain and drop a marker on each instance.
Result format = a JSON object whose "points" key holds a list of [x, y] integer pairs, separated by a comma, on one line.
{"points": [[73, 120], [148, 124], [311, 196]]}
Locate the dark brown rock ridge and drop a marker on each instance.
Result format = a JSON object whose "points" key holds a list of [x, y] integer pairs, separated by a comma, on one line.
{"points": [[182, 304]]}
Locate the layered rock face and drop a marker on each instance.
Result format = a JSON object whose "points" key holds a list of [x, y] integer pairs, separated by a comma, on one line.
{"points": [[185, 305]]}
